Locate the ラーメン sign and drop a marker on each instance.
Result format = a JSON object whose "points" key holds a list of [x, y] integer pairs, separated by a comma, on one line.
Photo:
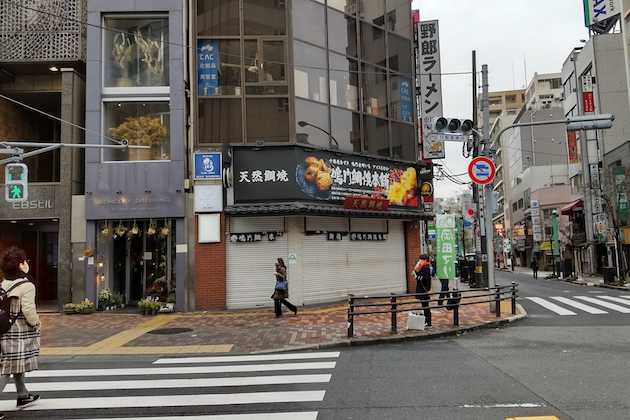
{"points": [[446, 249]]}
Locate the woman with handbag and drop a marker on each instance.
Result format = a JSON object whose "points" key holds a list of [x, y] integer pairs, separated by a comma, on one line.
{"points": [[19, 347], [281, 290]]}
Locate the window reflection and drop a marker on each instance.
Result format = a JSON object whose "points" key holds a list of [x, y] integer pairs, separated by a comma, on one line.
{"points": [[267, 120], [376, 140], [397, 17], [220, 120], [264, 17], [342, 33], [309, 22], [219, 67], [400, 54], [346, 129], [311, 78], [315, 114], [372, 11], [374, 91], [218, 17], [373, 44], [403, 141], [344, 82]]}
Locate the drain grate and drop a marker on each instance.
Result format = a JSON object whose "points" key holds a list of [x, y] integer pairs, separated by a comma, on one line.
{"points": [[170, 331]]}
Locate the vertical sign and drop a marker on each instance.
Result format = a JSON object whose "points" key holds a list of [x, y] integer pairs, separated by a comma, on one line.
{"points": [[555, 234], [430, 89], [446, 248], [619, 175], [208, 67], [572, 147], [588, 99], [596, 11], [406, 113], [536, 225]]}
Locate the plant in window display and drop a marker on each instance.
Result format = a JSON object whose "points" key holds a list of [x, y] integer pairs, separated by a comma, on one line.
{"points": [[141, 131], [152, 55], [122, 51]]}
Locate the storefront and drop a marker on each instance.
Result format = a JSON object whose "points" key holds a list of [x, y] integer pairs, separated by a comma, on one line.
{"points": [[343, 223]]}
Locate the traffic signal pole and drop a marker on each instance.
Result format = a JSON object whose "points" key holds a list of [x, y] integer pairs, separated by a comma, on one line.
{"points": [[487, 253]]}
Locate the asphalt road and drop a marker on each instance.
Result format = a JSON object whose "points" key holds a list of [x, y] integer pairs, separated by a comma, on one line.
{"points": [[573, 366]]}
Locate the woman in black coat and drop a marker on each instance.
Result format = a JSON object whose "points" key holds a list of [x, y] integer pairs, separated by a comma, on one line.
{"points": [[281, 290]]}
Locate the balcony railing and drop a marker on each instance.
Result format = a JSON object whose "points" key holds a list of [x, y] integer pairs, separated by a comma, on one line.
{"points": [[42, 30]]}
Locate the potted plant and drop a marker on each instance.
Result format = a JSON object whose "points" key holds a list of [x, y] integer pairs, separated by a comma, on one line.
{"points": [[141, 131]]}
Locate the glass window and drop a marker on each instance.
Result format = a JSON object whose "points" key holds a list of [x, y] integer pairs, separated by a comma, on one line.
{"points": [[374, 91], [346, 128], [308, 22], [373, 11], [220, 121], [400, 55], [141, 124], [312, 113], [264, 17], [267, 120], [136, 60], [218, 17], [344, 82], [311, 78], [347, 6], [342, 33], [376, 136], [373, 44], [400, 101], [223, 78], [398, 18], [265, 61], [403, 141]]}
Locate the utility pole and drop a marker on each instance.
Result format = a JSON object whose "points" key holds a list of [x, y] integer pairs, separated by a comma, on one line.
{"points": [[477, 240], [488, 252]]}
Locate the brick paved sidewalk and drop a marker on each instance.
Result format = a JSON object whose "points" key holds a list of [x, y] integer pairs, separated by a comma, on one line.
{"points": [[235, 331]]}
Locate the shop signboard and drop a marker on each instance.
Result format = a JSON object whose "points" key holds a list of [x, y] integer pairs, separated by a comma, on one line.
{"points": [[208, 66], [406, 104], [208, 165], [596, 11], [268, 174], [572, 147], [446, 249]]}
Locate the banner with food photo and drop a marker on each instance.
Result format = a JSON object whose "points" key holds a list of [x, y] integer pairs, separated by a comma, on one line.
{"points": [[296, 173]]}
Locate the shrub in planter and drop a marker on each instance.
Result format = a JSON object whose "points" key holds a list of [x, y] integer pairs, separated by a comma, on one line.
{"points": [[84, 307]]}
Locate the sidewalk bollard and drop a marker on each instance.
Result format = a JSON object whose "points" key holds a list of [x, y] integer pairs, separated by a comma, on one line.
{"points": [[456, 314], [513, 298], [497, 302], [394, 315], [350, 316]]}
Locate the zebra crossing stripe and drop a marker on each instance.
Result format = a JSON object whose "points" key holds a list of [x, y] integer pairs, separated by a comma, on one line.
{"points": [[167, 401], [551, 306], [181, 370], [248, 358], [310, 415], [173, 383], [605, 304], [616, 299], [578, 305]]}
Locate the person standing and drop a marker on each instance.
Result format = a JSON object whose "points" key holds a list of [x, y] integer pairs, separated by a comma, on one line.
{"points": [[534, 266], [422, 272], [281, 290], [19, 347]]}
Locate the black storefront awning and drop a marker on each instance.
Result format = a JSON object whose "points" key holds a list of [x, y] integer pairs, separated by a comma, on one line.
{"points": [[577, 205], [320, 209]]}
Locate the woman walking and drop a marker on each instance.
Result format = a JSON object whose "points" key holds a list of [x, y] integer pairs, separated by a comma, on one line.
{"points": [[281, 291], [19, 347]]}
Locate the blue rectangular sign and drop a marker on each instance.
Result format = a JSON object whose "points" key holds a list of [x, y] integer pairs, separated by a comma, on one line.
{"points": [[208, 165], [406, 105], [208, 67]]}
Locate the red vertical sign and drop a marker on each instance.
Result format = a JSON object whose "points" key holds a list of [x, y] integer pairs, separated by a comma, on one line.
{"points": [[572, 147], [588, 101]]}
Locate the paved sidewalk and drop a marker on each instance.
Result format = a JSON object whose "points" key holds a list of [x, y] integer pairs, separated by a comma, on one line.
{"points": [[238, 331]]}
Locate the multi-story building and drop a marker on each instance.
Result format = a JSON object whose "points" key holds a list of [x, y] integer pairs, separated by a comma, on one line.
{"points": [[502, 101], [311, 104], [42, 64]]}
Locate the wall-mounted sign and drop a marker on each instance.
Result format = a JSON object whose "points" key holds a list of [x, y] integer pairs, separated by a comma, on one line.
{"points": [[335, 236], [366, 203], [433, 146], [208, 198], [572, 147], [355, 236], [287, 173], [406, 104], [446, 248], [596, 11], [32, 205], [207, 67], [208, 165], [254, 236]]}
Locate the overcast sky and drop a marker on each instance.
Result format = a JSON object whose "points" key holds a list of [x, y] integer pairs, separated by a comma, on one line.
{"points": [[506, 34]]}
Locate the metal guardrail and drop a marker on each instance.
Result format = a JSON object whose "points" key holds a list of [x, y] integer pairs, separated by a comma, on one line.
{"points": [[394, 304]]}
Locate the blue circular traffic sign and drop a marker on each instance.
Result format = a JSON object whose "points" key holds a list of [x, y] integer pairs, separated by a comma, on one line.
{"points": [[482, 170]]}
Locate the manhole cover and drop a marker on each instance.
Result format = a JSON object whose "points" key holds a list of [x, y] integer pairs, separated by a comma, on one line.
{"points": [[170, 331]]}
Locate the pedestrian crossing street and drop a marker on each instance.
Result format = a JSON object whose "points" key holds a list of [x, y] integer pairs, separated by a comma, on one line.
{"points": [[580, 305], [244, 387]]}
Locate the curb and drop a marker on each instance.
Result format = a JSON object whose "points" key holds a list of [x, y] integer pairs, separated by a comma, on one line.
{"points": [[398, 339]]}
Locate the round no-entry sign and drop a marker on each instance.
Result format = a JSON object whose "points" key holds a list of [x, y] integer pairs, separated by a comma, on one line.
{"points": [[482, 170]]}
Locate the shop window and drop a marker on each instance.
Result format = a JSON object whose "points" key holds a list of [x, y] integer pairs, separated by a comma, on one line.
{"points": [[400, 54], [374, 91], [397, 18], [316, 114], [267, 120], [264, 17], [136, 52], [311, 78], [342, 33], [224, 78], [218, 17], [141, 124], [309, 22], [372, 11], [265, 61], [403, 141], [220, 121], [400, 100], [346, 128], [373, 44], [344, 82], [376, 136]]}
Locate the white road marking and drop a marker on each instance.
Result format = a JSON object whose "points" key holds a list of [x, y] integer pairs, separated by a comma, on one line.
{"points": [[579, 305], [605, 304], [514, 405], [252, 358], [616, 299], [167, 401], [551, 306], [181, 370], [173, 383], [310, 415]]}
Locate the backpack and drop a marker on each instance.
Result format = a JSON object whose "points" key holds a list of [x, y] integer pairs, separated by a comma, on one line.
{"points": [[6, 319]]}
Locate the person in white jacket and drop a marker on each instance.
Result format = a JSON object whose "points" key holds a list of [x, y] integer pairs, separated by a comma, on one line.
{"points": [[19, 347]]}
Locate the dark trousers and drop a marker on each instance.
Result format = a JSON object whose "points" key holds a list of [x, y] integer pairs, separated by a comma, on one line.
{"points": [[443, 291], [535, 270], [277, 303], [424, 301]]}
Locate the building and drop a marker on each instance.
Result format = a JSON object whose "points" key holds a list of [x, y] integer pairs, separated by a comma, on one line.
{"points": [[502, 101], [312, 109], [42, 66]]}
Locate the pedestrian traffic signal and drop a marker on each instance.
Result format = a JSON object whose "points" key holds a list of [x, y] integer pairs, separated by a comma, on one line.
{"points": [[16, 182]]}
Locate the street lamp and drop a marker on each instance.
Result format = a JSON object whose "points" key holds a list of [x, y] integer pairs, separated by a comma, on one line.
{"points": [[331, 138]]}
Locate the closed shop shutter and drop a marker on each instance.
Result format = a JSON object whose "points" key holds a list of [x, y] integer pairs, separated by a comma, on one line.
{"points": [[333, 269]]}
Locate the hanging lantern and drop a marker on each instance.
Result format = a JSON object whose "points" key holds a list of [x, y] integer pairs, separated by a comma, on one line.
{"points": [[121, 229], [165, 231], [135, 229], [105, 231], [152, 229]]}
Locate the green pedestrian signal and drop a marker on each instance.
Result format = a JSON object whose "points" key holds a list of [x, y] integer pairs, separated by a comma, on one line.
{"points": [[16, 182]]}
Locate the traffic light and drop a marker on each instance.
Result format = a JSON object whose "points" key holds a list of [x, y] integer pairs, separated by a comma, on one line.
{"points": [[590, 122], [453, 126], [16, 182]]}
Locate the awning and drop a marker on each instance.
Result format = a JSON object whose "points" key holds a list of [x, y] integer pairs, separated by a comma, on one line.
{"points": [[575, 206], [320, 209]]}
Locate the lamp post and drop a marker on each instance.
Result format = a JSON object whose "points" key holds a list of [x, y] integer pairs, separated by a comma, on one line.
{"points": [[331, 138]]}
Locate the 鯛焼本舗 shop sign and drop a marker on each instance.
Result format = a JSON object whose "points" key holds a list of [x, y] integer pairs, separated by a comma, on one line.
{"points": [[295, 173]]}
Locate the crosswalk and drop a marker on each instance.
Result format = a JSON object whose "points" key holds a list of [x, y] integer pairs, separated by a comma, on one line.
{"points": [[244, 387], [579, 305]]}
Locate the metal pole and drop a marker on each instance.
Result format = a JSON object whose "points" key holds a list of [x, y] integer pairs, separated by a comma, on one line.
{"points": [[488, 252], [626, 53], [476, 277]]}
